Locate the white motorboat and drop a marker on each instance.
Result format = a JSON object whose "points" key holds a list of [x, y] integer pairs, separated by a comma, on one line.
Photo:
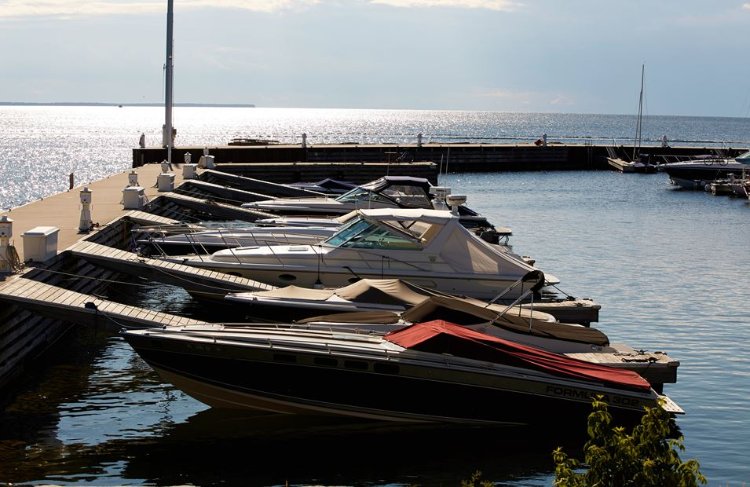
{"points": [[429, 248], [428, 372], [385, 192], [393, 297], [382, 305], [696, 174], [208, 241]]}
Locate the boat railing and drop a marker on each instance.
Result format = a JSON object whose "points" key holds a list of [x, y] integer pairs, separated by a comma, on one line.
{"points": [[536, 277]]}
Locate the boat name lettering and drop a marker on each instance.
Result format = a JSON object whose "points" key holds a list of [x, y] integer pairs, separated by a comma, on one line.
{"points": [[581, 394]]}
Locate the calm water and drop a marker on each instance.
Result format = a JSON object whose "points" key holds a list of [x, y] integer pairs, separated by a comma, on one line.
{"points": [[668, 267]]}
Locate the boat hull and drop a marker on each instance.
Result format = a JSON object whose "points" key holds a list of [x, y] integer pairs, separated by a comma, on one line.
{"points": [[703, 171], [289, 381], [459, 284]]}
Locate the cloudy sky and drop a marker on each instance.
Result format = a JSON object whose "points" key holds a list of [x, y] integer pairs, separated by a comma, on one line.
{"points": [[575, 56]]}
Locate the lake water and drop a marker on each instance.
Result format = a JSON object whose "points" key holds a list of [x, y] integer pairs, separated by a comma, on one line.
{"points": [[669, 268]]}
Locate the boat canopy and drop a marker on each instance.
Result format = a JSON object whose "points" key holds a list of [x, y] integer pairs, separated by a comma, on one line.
{"points": [[435, 231], [382, 291], [404, 191], [439, 336], [468, 311]]}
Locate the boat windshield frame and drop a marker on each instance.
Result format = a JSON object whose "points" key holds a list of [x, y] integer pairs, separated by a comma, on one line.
{"points": [[365, 233], [401, 195], [362, 194]]}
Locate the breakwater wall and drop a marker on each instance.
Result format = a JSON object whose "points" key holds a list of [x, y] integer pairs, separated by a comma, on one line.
{"points": [[457, 157]]}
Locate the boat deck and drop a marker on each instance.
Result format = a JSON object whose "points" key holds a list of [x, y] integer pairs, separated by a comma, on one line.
{"points": [[655, 367]]}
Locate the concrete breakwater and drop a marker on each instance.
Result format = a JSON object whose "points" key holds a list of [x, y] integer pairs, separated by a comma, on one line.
{"points": [[454, 157]]}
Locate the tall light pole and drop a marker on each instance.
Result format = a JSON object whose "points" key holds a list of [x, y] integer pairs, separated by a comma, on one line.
{"points": [[168, 81]]}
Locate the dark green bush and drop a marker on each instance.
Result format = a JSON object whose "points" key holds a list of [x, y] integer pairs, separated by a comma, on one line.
{"points": [[646, 457]]}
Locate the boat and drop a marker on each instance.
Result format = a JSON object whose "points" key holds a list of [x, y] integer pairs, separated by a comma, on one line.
{"points": [[327, 186], [636, 163], [434, 371], [389, 300], [252, 141], [184, 239], [208, 241], [384, 192], [696, 174], [430, 248]]}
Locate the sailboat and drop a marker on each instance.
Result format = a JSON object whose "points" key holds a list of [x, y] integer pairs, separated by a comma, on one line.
{"points": [[634, 164]]}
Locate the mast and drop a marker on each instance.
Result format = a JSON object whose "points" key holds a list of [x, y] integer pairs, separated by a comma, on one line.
{"points": [[168, 82], [639, 122]]}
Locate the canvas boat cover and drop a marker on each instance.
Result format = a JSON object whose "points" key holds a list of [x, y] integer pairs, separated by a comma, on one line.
{"points": [[468, 311], [440, 336], [386, 181], [382, 291]]}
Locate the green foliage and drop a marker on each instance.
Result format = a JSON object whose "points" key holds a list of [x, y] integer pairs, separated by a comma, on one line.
{"points": [[476, 481], [646, 457]]}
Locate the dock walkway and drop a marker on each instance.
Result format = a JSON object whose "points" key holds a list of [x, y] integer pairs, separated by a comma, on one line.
{"points": [[192, 279], [63, 210], [67, 305]]}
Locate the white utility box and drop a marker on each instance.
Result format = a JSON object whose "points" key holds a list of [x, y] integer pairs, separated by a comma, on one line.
{"points": [[40, 244], [189, 171], [207, 162], [133, 198], [165, 182]]}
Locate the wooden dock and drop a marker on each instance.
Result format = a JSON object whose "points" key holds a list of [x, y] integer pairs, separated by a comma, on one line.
{"points": [[192, 279], [656, 367], [63, 210], [62, 304]]}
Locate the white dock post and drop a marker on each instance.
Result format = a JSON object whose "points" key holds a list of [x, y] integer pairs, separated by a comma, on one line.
{"points": [[133, 178], [165, 180], [6, 231], [85, 224], [207, 161], [133, 198], [189, 171]]}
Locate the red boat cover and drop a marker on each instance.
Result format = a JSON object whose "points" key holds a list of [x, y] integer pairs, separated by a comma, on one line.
{"points": [[440, 336]]}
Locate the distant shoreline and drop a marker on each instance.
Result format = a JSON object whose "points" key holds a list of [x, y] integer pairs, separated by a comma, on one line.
{"points": [[88, 104]]}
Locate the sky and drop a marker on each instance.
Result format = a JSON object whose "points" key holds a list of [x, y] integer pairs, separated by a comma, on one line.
{"points": [[551, 56]]}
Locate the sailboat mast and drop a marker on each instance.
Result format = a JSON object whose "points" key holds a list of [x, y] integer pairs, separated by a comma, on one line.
{"points": [[168, 82], [639, 122]]}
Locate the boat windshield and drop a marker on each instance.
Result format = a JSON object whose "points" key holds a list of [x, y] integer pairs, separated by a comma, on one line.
{"points": [[368, 235], [362, 194], [406, 196], [743, 158]]}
